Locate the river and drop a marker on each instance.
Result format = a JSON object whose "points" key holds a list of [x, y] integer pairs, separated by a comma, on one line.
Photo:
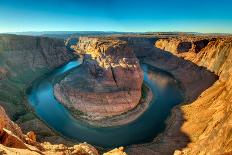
{"points": [[166, 91]]}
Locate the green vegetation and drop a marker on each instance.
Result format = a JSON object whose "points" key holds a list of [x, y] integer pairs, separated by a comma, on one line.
{"points": [[76, 112], [144, 91], [27, 117], [45, 134]]}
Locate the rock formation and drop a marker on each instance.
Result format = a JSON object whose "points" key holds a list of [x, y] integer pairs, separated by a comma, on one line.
{"points": [[107, 83], [117, 151], [202, 125], [208, 119]]}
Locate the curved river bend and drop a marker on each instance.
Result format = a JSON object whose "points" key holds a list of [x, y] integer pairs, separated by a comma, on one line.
{"points": [[143, 129]]}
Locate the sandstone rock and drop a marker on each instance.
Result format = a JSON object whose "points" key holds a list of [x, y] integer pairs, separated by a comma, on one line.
{"points": [[202, 126], [84, 148], [31, 135], [117, 151], [107, 83], [7, 124], [10, 140]]}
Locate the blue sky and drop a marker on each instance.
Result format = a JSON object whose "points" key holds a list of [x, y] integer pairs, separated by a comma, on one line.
{"points": [[116, 15]]}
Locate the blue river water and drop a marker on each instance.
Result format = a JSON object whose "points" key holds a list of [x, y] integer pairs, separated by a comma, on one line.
{"points": [[143, 129]]}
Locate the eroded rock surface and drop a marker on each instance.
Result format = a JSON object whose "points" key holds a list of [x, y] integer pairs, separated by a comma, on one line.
{"points": [[13, 141], [107, 83], [203, 124], [22, 60], [208, 119]]}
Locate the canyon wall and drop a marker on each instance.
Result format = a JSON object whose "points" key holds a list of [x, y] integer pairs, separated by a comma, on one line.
{"points": [[22, 60], [209, 118], [203, 124], [107, 83], [192, 78]]}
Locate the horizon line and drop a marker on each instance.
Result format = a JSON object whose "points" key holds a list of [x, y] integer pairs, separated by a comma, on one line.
{"points": [[73, 31]]}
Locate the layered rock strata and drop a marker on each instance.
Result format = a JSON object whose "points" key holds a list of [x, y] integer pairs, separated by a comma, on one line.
{"points": [[203, 124], [208, 119], [22, 60], [108, 82]]}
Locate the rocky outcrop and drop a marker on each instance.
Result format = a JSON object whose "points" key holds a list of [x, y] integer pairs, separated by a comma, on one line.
{"points": [[183, 44], [117, 151], [6, 123], [107, 83]]}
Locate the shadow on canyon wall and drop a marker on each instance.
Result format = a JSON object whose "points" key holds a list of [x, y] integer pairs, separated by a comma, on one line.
{"points": [[193, 80]]}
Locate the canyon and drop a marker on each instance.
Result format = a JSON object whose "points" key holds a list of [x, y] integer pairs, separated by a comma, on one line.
{"points": [[111, 74]]}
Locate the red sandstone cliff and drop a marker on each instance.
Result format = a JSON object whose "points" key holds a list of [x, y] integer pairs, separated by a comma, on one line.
{"points": [[203, 124], [107, 83], [209, 118]]}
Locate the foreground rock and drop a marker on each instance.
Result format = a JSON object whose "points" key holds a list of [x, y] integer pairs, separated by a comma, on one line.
{"points": [[14, 142], [117, 151], [108, 82]]}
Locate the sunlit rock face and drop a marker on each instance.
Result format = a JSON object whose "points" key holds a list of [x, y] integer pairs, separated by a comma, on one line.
{"points": [[203, 124], [107, 83], [208, 119], [6, 123]]}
